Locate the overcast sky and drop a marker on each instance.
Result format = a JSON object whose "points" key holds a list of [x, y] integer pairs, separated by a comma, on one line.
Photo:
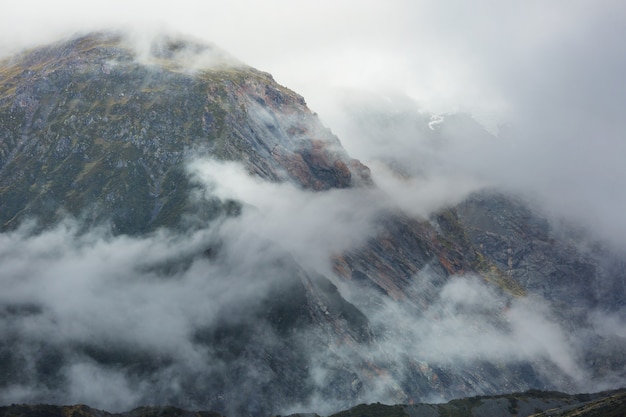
{"points": [[555, 69], [452, 54]]}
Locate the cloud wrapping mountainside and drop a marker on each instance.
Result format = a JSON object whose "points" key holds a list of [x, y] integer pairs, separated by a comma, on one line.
{"points": [[118, 321], [114, 321], [552, 70]]}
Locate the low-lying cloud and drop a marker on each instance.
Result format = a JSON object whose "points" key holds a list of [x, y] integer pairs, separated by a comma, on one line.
{"points": [[118, 321], [564, 163], [468, 328], [311, 226]]}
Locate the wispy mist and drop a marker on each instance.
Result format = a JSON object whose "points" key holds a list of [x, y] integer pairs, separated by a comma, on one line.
{"points": [[311, 226], [553, 71], [117, 321]]}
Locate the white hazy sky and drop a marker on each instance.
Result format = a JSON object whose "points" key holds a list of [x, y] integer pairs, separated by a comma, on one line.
{"points": [[555, 68], [450, 55]]}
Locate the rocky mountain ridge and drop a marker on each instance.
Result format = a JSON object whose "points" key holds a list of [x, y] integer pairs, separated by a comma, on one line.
{"points": [[92, 118], [206, 312]]}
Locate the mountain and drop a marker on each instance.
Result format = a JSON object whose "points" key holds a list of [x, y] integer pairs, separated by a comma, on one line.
{"points": [[96, 124], [179, 229]]}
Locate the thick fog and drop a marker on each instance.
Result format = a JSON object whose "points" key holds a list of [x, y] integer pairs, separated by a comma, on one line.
{"points": [[439, 99], [114, 321]]}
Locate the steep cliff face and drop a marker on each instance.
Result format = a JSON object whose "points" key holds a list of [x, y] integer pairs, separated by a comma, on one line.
{"points": [[558, 265], [99, 130], [177, 302]]}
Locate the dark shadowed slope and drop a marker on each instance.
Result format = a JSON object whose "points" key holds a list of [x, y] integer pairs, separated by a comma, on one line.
{"points": [[531, 403]]}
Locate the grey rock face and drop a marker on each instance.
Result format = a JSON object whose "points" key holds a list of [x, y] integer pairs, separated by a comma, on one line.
{"points": [[103, 131], [542, 259], [425, 308]]}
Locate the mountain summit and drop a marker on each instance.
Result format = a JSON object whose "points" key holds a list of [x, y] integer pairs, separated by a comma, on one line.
{"points": [[179, 229], [105, 127]]}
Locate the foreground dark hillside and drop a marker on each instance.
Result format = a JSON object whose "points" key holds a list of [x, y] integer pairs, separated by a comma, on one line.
{"points": [[531, 403]]}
